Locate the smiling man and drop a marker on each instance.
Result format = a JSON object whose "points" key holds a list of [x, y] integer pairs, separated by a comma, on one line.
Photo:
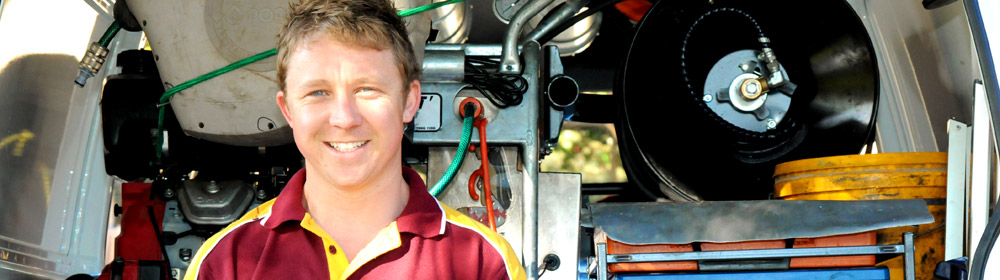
{"points": [[349, 82]]}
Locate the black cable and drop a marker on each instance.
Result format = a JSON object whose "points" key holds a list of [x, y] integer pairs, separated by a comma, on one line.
{"points": [[159, 238], [502, 90], [577, 18], [937, 227]]}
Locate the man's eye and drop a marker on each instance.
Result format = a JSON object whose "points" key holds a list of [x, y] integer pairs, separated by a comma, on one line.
{"points": [[367, 90], [317, 93]]}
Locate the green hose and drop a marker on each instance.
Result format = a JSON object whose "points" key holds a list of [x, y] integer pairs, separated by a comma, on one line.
{"points": [[174, 90], [425, 8], [463, 145], [109, 34], [113, 29]]}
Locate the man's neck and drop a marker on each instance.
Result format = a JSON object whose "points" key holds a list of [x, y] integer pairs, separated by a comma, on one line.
{"points": [[352, 216]]}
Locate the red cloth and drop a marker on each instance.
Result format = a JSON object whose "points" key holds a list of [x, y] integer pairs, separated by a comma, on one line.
{"points": [[634, 9], [138, 239]]}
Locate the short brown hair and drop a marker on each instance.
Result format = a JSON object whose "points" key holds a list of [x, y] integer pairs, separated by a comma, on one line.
{"points": [[364, 23]]}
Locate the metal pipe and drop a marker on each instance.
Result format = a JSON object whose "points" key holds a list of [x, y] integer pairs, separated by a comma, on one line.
{"points": [[909, 260], [510, 62], [554, 19], [562, 91], [532, 54], [602, 261], [443, 65]]}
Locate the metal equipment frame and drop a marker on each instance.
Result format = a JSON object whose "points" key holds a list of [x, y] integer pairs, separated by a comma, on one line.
{"points": [[906, 249]]}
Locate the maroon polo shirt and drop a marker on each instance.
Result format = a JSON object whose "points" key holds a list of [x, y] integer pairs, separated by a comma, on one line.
{"points": [[280, 240]]}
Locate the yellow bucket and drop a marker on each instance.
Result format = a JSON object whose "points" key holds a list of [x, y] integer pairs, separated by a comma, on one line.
{"points": [[875, 177]]}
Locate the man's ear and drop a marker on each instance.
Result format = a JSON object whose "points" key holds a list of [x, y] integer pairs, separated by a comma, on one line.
{"points": [[284, 108], [412, 101]]}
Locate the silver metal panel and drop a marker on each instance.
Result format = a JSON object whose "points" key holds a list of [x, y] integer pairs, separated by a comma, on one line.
{"points": [[926, 60], [513, 126], [515, 129], [982, 161], [559, 221], [730, 221], [959, 144]]}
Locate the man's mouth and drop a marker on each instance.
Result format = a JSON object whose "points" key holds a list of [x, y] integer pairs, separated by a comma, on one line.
{"points": [[346, 147]]}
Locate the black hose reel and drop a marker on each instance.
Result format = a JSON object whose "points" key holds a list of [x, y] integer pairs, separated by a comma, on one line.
{"points": [[713, 95]]}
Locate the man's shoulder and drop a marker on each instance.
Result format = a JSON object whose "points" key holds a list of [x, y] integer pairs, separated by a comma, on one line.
{"points": [[463, 225], [462, 221], [244, 229]]}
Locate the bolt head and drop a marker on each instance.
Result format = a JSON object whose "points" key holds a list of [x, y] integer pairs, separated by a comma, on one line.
{"points": [[169, 193], [261, 194], [707, 98], [771, 124]]}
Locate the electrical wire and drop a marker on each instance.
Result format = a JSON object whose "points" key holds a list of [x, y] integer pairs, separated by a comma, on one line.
{"points": [[109, 34], [463, 145], [502, 90], [165, 98], [159, 234]]}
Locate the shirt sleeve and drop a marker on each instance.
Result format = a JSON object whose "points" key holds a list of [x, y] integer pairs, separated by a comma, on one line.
{"points": [[503, 272]]}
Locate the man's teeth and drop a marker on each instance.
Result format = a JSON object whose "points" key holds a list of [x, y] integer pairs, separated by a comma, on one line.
{"points": [[347, 147]]}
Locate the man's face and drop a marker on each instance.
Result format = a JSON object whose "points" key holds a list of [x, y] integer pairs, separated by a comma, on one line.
{"points": [[347, 106]]}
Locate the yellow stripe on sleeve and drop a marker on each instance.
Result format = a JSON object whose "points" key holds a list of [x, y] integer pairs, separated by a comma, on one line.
{"points": [[514, 269]]}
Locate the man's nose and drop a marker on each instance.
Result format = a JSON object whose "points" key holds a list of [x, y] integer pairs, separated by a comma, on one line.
{"points": [[344, 113]]}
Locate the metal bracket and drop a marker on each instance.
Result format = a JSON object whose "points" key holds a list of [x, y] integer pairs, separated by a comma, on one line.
{"points": [[906, 249], [103, 7], [959, 151]]}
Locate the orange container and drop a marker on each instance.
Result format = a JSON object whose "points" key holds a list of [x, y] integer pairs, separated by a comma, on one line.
{"points": [[745, 245], [857, 239], [615, 247]]}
